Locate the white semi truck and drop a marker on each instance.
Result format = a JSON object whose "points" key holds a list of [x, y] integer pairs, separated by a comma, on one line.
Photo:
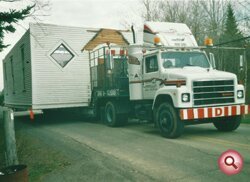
{"points": [[168, 80]]}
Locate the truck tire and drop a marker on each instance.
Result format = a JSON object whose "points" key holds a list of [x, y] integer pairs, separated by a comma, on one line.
{"points": [[228, 124], [111, 116], [169, 121]]}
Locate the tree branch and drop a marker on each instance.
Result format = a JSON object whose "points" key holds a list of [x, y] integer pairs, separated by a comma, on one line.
{"points": [[10, 0]]}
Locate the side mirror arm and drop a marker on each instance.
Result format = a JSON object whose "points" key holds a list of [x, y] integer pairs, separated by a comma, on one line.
{"points": [[212, 60]]}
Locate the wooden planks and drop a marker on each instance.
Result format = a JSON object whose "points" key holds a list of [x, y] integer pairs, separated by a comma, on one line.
{"points": [[105, 36]]}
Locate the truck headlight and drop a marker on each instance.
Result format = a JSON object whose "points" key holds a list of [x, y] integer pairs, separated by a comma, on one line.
{"points": [[185, 97], [240, 94]]}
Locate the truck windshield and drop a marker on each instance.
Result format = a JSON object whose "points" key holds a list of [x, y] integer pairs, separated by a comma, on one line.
{"points": [[182, 59]]}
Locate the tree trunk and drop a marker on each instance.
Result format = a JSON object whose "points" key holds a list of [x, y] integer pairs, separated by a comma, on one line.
{"points": [[10, 140]]}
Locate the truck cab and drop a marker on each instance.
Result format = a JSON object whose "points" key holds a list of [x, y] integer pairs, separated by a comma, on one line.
{"points": [[177, 72], [179, 78]]}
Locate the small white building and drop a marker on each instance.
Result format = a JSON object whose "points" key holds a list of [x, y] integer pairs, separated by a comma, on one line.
{"points": [[46, 68]]}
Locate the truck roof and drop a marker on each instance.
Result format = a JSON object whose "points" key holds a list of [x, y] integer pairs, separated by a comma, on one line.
{"points": [[170, 34]]}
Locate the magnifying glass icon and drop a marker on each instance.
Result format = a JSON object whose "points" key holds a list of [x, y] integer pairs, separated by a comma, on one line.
{"points": [[229, 161]]}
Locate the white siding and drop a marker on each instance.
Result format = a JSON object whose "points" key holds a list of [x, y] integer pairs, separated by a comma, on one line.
{"points": [[14, 93], [54, 86], [47, 84]]}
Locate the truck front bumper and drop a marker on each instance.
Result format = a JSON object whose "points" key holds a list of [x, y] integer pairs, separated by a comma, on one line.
{"points": [[213, 112]]}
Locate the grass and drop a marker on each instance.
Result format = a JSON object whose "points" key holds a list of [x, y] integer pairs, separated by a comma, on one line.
{"points": [[246, 119], [40, 158]]}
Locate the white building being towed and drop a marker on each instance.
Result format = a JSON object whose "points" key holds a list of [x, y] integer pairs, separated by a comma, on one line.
{"points": [[46, 68]]}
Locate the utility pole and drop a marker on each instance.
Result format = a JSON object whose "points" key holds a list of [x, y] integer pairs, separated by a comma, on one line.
{"points": [[9, 135]]}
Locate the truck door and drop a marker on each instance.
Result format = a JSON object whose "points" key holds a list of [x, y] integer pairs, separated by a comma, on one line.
{"points": [[150, 76]]}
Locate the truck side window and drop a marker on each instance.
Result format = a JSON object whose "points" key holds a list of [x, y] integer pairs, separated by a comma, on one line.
{"points": [[151, 64]]}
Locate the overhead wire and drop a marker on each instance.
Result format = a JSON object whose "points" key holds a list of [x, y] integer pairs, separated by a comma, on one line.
{"points": [[236, 40]]}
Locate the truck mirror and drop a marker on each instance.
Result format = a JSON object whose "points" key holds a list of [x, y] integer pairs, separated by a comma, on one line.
{"points": [[212, 60], [241, 62], [109, 62]]}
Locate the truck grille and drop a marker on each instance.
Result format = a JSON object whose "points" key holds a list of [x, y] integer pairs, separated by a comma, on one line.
{"points": [[213, 92]]}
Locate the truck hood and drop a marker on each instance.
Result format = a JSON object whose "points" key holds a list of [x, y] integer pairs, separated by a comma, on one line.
{"points": [[196, 73]]}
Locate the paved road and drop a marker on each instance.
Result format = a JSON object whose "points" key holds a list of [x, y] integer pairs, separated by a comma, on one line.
{"points": [[138, 153]]}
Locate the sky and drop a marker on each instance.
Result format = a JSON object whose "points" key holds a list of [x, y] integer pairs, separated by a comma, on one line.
{"points": [[117, 14]]}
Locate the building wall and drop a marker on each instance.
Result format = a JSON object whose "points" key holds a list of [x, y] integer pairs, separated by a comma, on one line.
{"points": [[17, 74], [55, 86], [39, 80]]}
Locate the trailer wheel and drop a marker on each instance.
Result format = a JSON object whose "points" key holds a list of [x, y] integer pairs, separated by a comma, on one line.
{"points": [[228, 124], [168, 121], [111, 116]]}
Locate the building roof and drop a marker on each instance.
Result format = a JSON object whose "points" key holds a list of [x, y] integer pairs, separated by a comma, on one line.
{"points": [[106, 36]]}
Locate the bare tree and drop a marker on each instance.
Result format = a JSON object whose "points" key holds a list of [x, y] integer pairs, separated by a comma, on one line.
{"points": [[196, 21], [10, 0], [189, 12], [205, 18], [169, 11], [38, 9], [151, 12], [41, 7], [216, 15], [242, 13]]}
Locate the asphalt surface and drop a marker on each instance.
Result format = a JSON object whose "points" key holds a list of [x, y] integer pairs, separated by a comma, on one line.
{"points": [[137, 152]]}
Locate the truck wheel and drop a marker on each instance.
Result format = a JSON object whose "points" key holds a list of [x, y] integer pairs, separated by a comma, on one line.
{"points": [[112, 118], [228, 124], [168, 121]]}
